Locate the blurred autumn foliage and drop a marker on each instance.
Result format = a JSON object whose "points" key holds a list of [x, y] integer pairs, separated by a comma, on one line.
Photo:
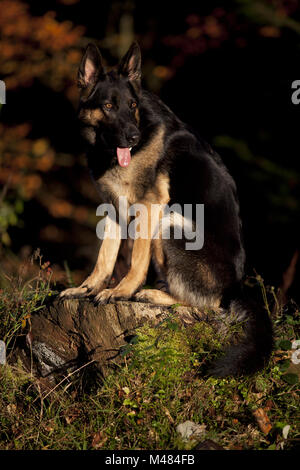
{"points": [[37, 47], [47, 199], [34, 49]]}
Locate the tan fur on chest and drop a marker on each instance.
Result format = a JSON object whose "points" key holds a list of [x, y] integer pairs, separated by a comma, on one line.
{"points": [[132, 181]]}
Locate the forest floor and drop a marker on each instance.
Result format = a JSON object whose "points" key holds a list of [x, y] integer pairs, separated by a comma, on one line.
{"points": [[159, 386]]}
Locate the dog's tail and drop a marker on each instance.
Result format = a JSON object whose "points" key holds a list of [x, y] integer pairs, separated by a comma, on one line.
{"points": [[254, 349]]}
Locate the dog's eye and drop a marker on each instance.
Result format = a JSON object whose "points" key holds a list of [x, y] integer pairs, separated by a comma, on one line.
{"points": [[108, 105], [133, 104]]}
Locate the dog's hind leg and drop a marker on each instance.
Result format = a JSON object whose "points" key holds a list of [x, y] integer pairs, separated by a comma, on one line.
{"points": [[104, 267], [155, 296]]}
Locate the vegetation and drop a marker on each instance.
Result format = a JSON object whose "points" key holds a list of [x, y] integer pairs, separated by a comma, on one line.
{"points": [[160, 384]]}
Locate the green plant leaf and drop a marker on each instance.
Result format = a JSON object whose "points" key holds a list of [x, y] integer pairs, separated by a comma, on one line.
{"points": [[284, 344], [284, 365], [291, 379]]}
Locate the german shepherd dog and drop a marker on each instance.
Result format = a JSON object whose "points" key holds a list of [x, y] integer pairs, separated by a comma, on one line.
{"points": [[137, 148]]}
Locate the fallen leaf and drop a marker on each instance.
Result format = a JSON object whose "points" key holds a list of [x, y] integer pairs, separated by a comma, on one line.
{"points": [[11, 409], [99, 440], [29, 339], [71, 415], [269, 405], [69, 419], [290, 378], [168, 415], [49, 426], [236, 447], [262, 420], [285, 431]]}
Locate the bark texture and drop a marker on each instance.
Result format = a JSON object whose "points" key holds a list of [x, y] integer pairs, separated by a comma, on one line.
{"points": [[68, 334]]}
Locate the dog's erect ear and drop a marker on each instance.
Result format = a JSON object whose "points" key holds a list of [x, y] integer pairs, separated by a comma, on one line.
{"points": [[130, 64], [91, 67]]}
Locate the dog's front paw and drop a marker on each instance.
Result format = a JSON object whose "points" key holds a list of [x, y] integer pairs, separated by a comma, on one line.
{"points": [[89, 288], [74, 292], [103, 297], [112, 295]]}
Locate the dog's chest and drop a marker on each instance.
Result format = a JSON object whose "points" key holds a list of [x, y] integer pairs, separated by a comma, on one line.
{"points": [[135, 180], [126, 182]]}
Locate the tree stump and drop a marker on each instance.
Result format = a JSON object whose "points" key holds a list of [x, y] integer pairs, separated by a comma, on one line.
{"points": [[66, 335]]}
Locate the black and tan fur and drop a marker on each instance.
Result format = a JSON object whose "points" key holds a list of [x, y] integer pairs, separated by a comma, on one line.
{"points": [[170, 164]]}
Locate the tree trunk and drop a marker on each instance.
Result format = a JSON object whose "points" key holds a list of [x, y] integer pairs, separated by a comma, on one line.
{"points": [[68, 334]]}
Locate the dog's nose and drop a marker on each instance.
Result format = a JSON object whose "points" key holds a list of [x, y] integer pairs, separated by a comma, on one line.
{"points": [[133, 138]]}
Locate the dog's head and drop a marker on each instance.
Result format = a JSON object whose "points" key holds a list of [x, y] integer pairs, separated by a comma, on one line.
{"points": [[109, 103]]}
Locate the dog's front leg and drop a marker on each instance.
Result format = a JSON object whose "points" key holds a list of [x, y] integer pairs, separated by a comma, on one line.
{"points": [[104, 267], [140, 260]]}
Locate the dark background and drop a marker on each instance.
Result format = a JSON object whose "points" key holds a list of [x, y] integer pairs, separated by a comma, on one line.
{"points": [[226, 68]]}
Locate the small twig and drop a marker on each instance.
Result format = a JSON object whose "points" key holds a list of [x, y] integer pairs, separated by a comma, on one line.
{"points": [[264, 292], [288, 278], [65, 378]]}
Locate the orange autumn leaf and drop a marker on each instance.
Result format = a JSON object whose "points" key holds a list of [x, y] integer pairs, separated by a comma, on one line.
{"points": [[270, 32], [29, 43], [22, 161], [45, 162], [31, 184], [73, 57], [212, 27], [81, 214], [194, 32], [24, 320], [262, 420], [39, 147], [60, 208]]}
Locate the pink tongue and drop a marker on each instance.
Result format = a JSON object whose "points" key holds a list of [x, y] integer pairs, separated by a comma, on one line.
{"points": [[124, 156]]}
